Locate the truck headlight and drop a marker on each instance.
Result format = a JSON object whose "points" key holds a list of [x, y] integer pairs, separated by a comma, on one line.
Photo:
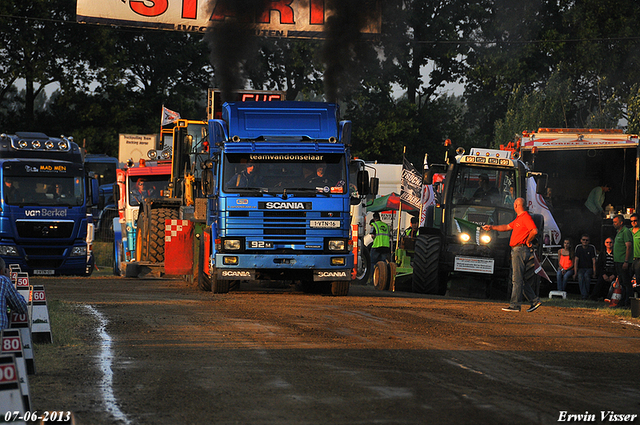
{"points": [[8, 250], [79, 251], [337, 245], [232, 245]]}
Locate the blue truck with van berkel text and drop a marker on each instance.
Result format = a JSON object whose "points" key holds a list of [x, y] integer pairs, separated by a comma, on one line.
{"points": [[45, 218]]}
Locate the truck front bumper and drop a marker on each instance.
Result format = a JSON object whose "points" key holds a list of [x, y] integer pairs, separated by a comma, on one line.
{"points": [[252, 266]]}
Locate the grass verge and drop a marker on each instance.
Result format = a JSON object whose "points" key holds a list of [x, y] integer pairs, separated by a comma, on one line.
{"points": [[591, 305], [70, 326]]}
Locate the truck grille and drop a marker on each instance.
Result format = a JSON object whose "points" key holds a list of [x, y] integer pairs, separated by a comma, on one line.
{"points": [[48, 251], [44, 229], [283, 228]]}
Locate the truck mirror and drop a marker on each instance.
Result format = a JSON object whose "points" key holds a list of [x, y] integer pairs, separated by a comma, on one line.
{"points": [[116, 193], [94, 191], [207, 181], [541, 186], [362, 183], [374, 185]]}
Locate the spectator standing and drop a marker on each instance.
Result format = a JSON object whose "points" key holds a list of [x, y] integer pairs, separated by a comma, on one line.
{"points": [[566, 256], [523, 232], [584, 265], [622, 256], [635, 230], [9, 297], [596, 199], [381, 248], [593, 218], [605, 270]]}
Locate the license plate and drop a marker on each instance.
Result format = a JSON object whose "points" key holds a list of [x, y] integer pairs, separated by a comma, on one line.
{"points": [[324, 224], [44, 272], [474, 265]]}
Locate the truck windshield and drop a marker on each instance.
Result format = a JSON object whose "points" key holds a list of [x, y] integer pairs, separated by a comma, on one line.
{"points": [[143, 187], [66, 191], [105, 172], [483, 196], [275, 173]]}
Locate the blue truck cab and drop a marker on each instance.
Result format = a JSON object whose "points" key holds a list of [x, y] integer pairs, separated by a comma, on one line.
{"points": [[104, 168], [279, 188], [46, 195]]}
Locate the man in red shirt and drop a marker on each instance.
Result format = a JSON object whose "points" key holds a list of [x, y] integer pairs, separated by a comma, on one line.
{"points": [[523, 232]]}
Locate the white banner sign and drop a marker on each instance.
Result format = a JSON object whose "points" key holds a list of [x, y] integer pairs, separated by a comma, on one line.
{"points": [[283, 18], [135, 146]]}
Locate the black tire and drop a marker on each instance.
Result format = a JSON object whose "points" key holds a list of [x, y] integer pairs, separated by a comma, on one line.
{"points": [[219, 286], [365, 258], [117, 257], [340, 288], [392, 277], [156, 232], [381, 276], [426, 276], [202, 279]]}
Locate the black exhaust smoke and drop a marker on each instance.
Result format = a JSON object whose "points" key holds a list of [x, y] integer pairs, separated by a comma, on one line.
{"points": [[343, 32], [232, 41]]}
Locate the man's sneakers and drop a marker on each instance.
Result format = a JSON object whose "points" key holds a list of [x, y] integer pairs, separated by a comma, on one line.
{"points": [[534, 307], [510, 308]]}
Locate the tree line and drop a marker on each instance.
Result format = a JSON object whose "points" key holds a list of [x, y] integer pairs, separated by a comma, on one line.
{"points": [[523, 65]]}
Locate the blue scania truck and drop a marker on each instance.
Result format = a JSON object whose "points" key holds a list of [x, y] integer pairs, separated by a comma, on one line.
{"points": [[46, 195], [279, 184]]}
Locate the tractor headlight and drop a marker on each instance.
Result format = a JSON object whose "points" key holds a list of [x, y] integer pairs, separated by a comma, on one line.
{"points": [[465, 237], [485, 239]]}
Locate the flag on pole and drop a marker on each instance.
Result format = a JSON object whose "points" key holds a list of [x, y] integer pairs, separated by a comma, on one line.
{"points": [[539, 270], [410, 184], [468, 227], [168, 116], [537, 205]]}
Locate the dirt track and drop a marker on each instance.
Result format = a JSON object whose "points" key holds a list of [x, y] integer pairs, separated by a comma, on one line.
{"points": [[180, 356]]}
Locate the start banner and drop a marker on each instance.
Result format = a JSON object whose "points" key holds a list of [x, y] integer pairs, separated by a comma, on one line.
{"points": [[281, 18]]}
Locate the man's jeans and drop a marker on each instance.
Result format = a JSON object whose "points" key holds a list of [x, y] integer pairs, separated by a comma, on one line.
{"points": [[584, 282], [521, 255], [624, 278]]}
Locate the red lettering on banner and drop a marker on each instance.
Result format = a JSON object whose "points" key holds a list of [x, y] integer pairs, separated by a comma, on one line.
{"points": [[283, 7], [222, 11], [316, 12], [158, 8], [189, 9]]}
